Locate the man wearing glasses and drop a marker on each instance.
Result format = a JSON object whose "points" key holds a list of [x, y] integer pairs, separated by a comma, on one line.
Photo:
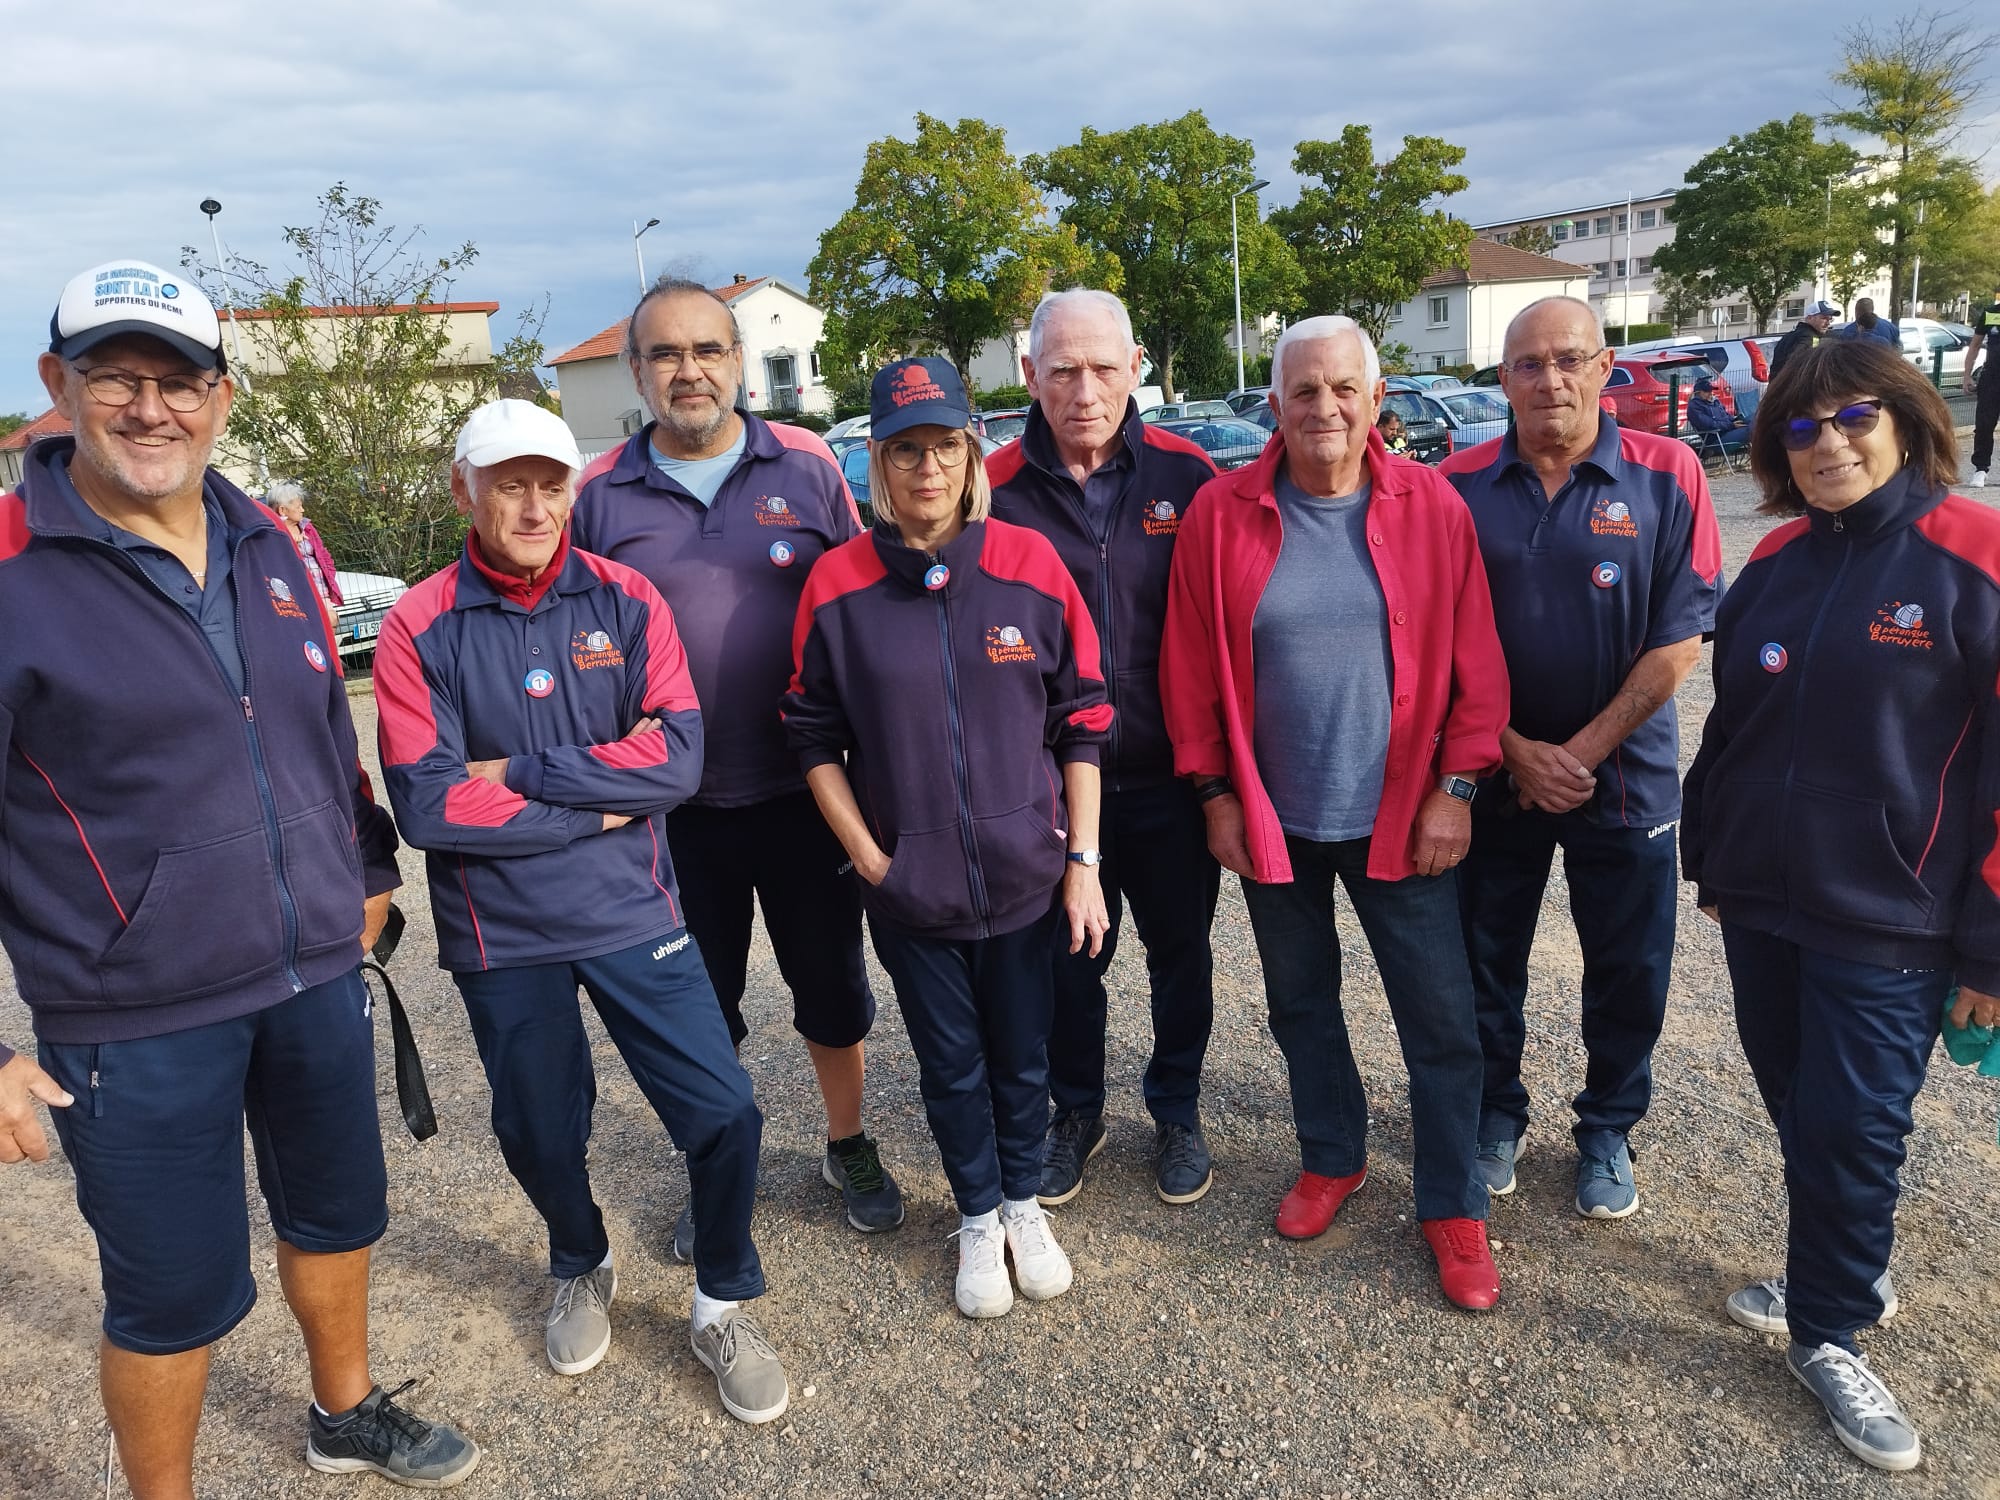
{"points": [[725, 514], [193, 867], [1605, 564]]}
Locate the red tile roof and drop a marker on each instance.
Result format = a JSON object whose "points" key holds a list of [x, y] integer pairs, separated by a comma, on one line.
{"points": [[1491, 262], [351, 312], [612, 340], [50, 423]]}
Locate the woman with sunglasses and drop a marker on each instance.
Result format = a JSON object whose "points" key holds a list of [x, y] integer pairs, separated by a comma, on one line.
{"points": [[948, 705], [1839, 822]]}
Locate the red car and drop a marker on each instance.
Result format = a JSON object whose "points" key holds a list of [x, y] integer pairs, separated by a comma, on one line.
{"points": [[1636, 393]]}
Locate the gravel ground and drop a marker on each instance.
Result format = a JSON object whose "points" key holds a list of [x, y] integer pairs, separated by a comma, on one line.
{"points": [[1197, 1355]]}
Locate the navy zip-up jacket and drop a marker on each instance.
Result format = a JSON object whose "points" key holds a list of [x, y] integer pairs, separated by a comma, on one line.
{"points": [[957, 684], [173, 853], [1846, 791], [1121, 571], [732, 572], [466, 671]]}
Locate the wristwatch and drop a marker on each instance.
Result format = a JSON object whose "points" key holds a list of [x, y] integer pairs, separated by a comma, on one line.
{"points": [[1457, 786], [1085, 857]]}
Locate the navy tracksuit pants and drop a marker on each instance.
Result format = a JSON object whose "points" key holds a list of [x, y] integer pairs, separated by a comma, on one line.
{"points": [[1623, 886], [657, 1005], [1154, 842], [977, 1011], [1838, 1049]]}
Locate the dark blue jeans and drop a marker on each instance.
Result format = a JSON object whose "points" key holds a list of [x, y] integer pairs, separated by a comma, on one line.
{"points": [[1623, 884], [1838, 1049], [657, 1005], [1412, 928], [1155, 846]]}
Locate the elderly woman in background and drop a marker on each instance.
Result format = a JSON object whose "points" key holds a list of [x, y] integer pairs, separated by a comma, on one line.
{"points": [[948, 705], [288, 499], [1840, 824]]}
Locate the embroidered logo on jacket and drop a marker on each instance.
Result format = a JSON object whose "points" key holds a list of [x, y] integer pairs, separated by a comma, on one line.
{"points": [[1611, 517], [593, 648], [773, 510], [1161, 519], [282, 600], [1006, 643], [1900, 624]]}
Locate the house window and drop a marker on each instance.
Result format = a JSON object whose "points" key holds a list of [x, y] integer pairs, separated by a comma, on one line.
{"points": [[1397, 315], [1623, 223], [1796, 308], [1666, 216], [1601, 269], [1440, 311], [1645, 265], [1738, 313], [1648, 218], [1619, 268], [1437, 361], [815, 364], [1604, 225], [1561, 230]]}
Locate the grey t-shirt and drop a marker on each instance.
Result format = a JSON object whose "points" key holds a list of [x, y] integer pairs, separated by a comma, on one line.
{"points": [[702, 477], [1320, 640]]}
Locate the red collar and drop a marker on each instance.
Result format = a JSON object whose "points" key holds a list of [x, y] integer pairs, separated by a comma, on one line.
{"points": [[522, 592]]}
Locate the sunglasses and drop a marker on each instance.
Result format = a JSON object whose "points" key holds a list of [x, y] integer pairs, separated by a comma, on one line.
{"points": [[1801, 433]]}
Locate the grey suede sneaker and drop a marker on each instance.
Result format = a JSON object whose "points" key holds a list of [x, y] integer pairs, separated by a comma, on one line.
{"points": [[1762, 1306], [1866, 1418], [379, 1437], [684, 1235], [748, 1375], [579, 1323]]}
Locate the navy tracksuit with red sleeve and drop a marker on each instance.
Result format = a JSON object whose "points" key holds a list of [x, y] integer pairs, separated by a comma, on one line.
{"points": [[533, 896], [1115, 534], [1841, 815], [956, 685]]}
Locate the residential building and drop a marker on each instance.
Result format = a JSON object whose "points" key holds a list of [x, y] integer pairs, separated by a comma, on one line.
{"points": [[14, 446], [1460, 315]]}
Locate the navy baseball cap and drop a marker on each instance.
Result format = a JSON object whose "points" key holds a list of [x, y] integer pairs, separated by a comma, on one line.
{"points": [[914, 392], [1704, 384]]}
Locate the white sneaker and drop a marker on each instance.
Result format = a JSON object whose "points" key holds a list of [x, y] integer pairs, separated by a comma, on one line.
{"points": [[983, 1290], [1979, 479], [1040, 1266]]}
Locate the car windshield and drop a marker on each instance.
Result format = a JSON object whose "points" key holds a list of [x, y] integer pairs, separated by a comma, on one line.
{"points": [[1474, 406], [1005, 429]]}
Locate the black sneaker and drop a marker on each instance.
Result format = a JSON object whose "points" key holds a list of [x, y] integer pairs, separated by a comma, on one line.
{"points": [[378, 1436], [684, 1235], [1072, 1140], [1181, 1163], [873, 1201]]}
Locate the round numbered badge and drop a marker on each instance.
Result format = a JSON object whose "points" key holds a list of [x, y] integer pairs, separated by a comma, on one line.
{"points": [[782, 553], [539, 683], [1606, 574], [1771, 657], [937, 577], [315, 656]]}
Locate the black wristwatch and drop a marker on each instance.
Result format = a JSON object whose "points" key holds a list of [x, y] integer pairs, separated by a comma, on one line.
{"points": [[1457, 786]]}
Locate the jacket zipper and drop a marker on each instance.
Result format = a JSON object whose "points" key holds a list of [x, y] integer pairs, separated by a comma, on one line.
{"points": [[1798, 699], [961, 776], [1106, 631]]}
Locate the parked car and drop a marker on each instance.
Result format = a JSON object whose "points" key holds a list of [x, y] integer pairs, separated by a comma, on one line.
{"points": [[1638, 388], [1744, 362], [850, 427], [1433, 380], [1425, 424], [1004, 426], [1174, 409], [358, 622], [1229, 441], [1473, 415], [1925, 339], [1260, 415], [1240, 402], [854, 469]]}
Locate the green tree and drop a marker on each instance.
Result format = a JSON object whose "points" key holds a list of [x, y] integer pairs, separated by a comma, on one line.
{"points": [[1684, 300], [1536, 239], [1964, 260], [1752, 218], [12, 421], [948, 244], [1157, 198], [1365, 233], [1915, 86], [364, 407]]}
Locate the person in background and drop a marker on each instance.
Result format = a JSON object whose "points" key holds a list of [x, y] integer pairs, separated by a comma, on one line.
{"points": [[1867, 326], [1810, 329], [1390, 425], [1707, 414], [1986, 409], [1840, 827], [288, 499]]}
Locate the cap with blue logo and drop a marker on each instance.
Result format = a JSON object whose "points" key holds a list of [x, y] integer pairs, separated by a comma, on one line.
{"points": [[124, 297], [916, 392]]}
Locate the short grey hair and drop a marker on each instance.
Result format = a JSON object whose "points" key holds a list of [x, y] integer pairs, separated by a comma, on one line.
{"points": [[1078, 299], [1596, 321], [677, 286], [1311, 330], [285, 492]]}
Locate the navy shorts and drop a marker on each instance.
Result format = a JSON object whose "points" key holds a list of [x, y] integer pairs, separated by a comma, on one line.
{"points": [[156, 1141]]}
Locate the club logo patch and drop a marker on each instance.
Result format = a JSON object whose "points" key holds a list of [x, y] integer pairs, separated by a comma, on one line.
{"points": [[315, 657], [1771, 657], [1006, 643], [1611, 517], [915, 384], [1605, 574], [775, 510], [938, 576], [1161, 519], [539, 683], [282, 599], [589, 649], [1898, 623], [782, 553]]}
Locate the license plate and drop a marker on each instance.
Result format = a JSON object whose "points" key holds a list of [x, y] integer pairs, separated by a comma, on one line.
{"points": [[367, 629]]}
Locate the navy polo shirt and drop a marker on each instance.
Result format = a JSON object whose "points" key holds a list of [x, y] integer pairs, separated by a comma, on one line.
{"points": [[1623, 559]]}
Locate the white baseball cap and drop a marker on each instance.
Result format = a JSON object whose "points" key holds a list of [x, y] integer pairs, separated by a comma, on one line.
{"points": [[134, 296], [508, 428], [1821, 309]]}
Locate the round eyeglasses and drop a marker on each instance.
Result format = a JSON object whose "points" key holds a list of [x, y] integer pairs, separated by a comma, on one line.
{"points": [[110, 386], [907, 454]]}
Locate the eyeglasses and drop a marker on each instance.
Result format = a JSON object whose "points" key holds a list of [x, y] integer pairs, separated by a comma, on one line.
{"points": [[1568, 364], [1801, 433], [707, 356], [110, 386], [907, 454]]}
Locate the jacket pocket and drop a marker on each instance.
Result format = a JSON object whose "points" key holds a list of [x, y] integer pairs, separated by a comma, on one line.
{"points": [[1842, 863], [209, 919], [1020, 857], [927, 885], [1741, 833], [1140, 730], [323, 873]]}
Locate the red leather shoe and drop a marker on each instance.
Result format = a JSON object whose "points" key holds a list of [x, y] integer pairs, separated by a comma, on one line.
{"points": [[1465, 1263], [1313, 1201]]}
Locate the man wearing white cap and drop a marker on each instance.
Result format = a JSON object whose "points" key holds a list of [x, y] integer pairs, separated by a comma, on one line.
{"points": [[537, 724], [190, 868], [1812, 327]]}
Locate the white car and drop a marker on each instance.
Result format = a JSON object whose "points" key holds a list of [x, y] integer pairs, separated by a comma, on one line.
{"points": [[1924, 340], [366, 599]]}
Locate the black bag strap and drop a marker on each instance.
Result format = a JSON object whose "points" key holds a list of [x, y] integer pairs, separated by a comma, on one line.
{"points": [[413, 1092]]}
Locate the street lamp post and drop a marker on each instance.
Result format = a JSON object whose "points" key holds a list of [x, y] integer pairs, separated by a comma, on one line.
{"points": [[639, 255], [1236, 264], [211, 208]]}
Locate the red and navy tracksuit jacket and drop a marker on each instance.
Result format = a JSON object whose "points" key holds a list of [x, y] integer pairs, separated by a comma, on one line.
{"points": [[474, 666], [732, 572], [957, 684], [1121, 572], [173, 853], [1846, 796]]}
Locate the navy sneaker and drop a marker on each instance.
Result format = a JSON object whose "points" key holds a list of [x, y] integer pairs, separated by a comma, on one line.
{"points": [[684, 1235], [872, 1199], [1866, 1418], [1604, 1186], [1182, 1171], [1496, 1162], [1072, 1140], [379, 1437]]}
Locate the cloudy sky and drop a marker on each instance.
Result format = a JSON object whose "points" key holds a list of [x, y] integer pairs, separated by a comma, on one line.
{"points": [[540, 131]]}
